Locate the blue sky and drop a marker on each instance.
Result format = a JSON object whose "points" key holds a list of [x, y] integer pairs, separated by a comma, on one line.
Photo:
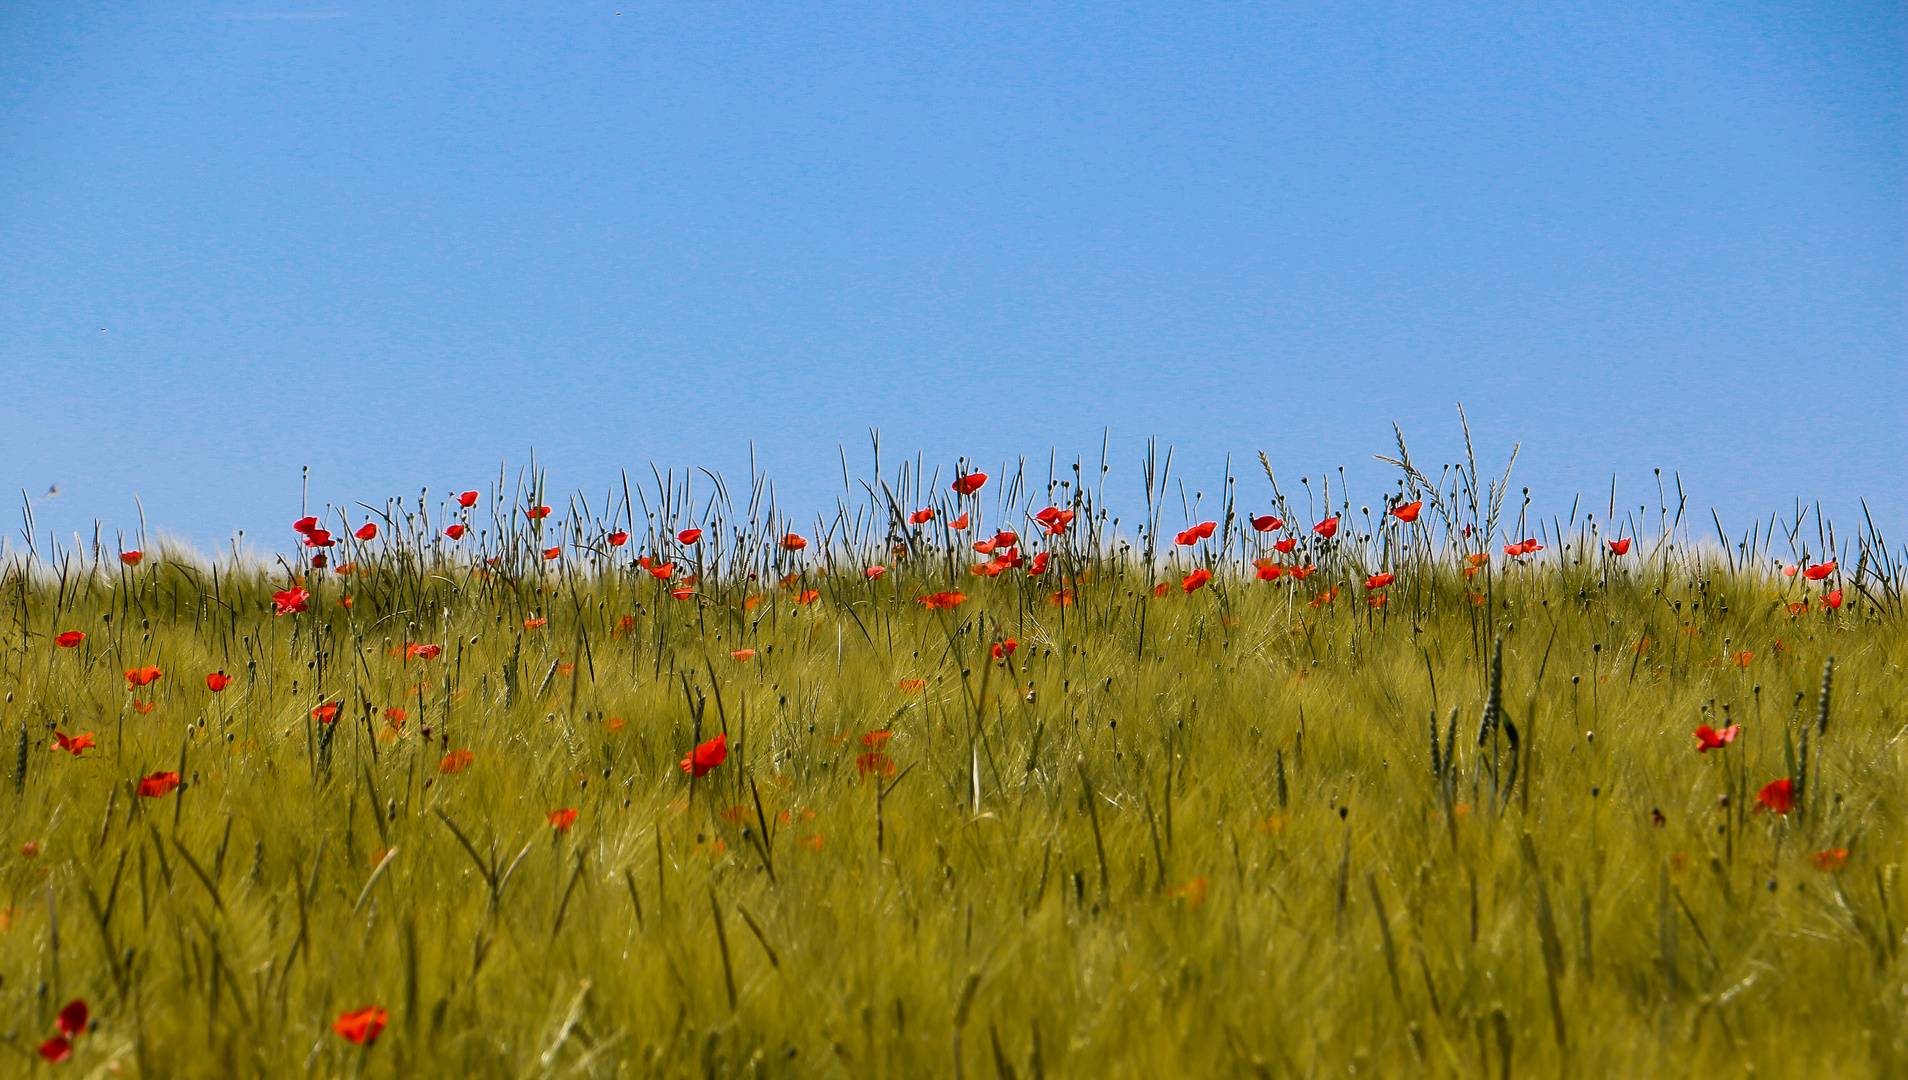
{"points": [[405, 242]]}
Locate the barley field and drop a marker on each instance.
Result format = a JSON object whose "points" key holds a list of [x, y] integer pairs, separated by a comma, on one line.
{"points": [[661, 782]]}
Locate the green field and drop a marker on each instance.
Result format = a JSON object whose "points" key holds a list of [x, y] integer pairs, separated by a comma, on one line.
{"points": [[1246, 828]]}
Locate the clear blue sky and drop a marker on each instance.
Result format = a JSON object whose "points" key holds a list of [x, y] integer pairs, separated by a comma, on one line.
{"points": [[405, 242]]}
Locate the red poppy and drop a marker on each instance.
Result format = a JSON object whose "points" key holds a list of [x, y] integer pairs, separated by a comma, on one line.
{"points": [[368, 532], [217, 681], [552, 553], [1743, 658], [1055, 519], [455, 532], [1039, 564], [808, 596], [1300, 573], [1267, 523], [1063, 598], [1193, 892], [290, 601], [1829, 861], [56, 1049], [318, 561], [1708, 738], [1799, 607], [1777, 795], [1325, 597], [1285, 546], [536, 513], [1159, 590], [69, 639], [912, 686], [663, 572], [361, 1027], [688, 536], [72, 1019], [429, 650], [877, 739], [76, 744], [305, 524], [617, 538], [327, 711], [1819, 571], [874, 572], [1005, 649], [969, 484], [131, 558], [921, 516], [1379, 581], [396, 715], [792, 542], [561, 820], [1407, 513], [707, 756], [942, 600], [683, 593], [1833, 599], [985, 547], [1531, 547], [455, 762], [1620, 547], [1327, 528], [1789, 571], [743, 654], [144, 676], [874, 763], [958, 523], [144, 707], [1375, 601], [1269, 572], [1195, 580], [158, 784], [535, 624]]}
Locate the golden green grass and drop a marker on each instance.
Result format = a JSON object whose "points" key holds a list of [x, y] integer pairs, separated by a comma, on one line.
{"points": [[1197, 834]]}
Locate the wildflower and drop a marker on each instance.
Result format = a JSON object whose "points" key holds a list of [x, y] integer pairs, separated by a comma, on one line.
{"points": [[467, 500], [1055, 519], [427, 651], [318, 538], [552, 553], [455, 762], [1195, 580], [792, 542], [361, 1027], [1379, 581], [1325, 597], [535, 624], [743, 654], [1300, 573], [1708, 739], [1004, 649], [707, 756], [623, 626], [1789, 571], [1039, 564], [1777, 795], [217, 681], [874, 763], [1269, 572], [958, 523], [69, 639], [1201, 531], [1375, 601], [1159, 590], [1743, 658], [1407, 513], [318, 561], [144, 676], [942, 601], [921, 516], [682, 593], [159, 784], [875, 572], [808, 596], [131, 558], [1006, 538], [877, 739], [368, 532], [536, 513], [72, 1019], [1620, 547], [1829, 861], [984, 547], [455, 532], [812, 842], [617, 538], [1193, 892], [968, 484], [305, 525], [1267, 523], [74, 745], [663, 572], [290, 601], [143, 707], [396, 715], [1832, 600], [912, 686], [56, 1049], [1063, 598], [1285, 546], [561, 820], [326, 712], [1799, 607], [1819, 571], [1327, 528]]}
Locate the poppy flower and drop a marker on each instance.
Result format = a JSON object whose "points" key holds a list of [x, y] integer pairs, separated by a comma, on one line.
{"points": [[1708, 739], [793, 542], [1777, 795], [72, 1019], [1269, 572], [1300, 573], [561, 820], [1379, 581], [1375, 601], [683, 593], [1285, 546], [396, 715], [144, 676], [707, 756], [1267, 523], [1195, 580], [1819, 571], [467, 500], [808, 597], [942, 600], [1799, 607], [1063, 598], [984, 547], [429, 650], [158, 784], [1743, 658], [1829, 861], [455, 532], [617, 538], [318, 561], [1531, 547], [1833, 599], [877, 739], [305, 524], [743, 654], [689, 536], [30, 849], [361, 1027], [1159, 590], [319, 538], [1325, 597], [1005, 649], [912, 686], [455, 762], [874, 763], [921, 516], [535, 624], [1193, 892], [1620, 547], [69, 639], [76, 744], [663, 572], [1407, 513], [1789, 571], [958, 523], [1055, 519], [144, 707], [217, 681], [875, 572], [368, 532], [1327, 528], [552, 553], [1039, 564], [969, 484], [327, 711], [56, 1049], [536, 513]]}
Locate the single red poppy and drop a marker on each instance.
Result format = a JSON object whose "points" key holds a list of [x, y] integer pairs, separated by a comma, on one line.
{"points": [[562, 819], [877, 739], [1789, 571], [1325, 597], [942, 600], [327, 711], [69, 639], [1327, 528], [1819, 571], [467, 500], [455, 532], [1195, 580], [1407, 513], [131, 558], [1799, 607], [1376, 601], [217, 681], [1707, 738], [1300, 573], [985, 547], [144, 707], [1777, 795], [1063, 598], [368, 531], [1833, 599], [1267, 523], [663, 572], [144, 676], [969, 484], [1620, 547], [1829, 861], [683, 593], [808, 596], [455, 762], [1743, 658], [1285, 546], [396, 715], [688, 536], [536, 513], [362, 1026], [1039, 564], [912, 686], [56, 1049], [707, 756], [1269, 572], [76, 744], [290, 601], [1193, 892], [874, 572], [535, 624], [305, 524], [552, 553], [158, 784], [1005, 649], [1379, 581], [958, 523], [617, 538], [318, 562], [1531, 547], [319, 538], [72, 1019], [921, 516], [874, 763], [793, 542], [743, 654], [1159, 590], [1006, 538], [429, 650]]}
